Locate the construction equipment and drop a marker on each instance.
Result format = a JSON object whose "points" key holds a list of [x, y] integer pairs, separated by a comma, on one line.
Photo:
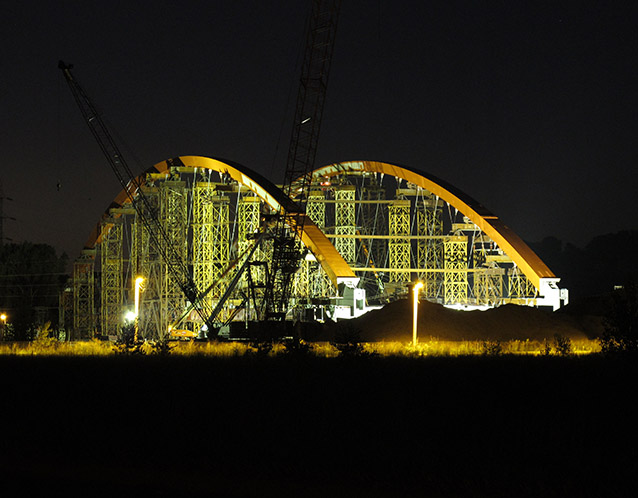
{"points": [[288, 224], [177, 268]]}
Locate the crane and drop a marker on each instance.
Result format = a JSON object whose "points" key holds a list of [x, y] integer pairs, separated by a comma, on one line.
{"points": [[176, 266], [311, 96]]}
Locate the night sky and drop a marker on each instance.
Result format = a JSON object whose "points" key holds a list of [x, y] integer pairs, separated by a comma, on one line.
{"points": [[530, 108]]}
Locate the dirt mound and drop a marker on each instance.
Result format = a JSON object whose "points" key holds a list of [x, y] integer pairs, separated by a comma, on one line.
{"points": [[509, 322]]}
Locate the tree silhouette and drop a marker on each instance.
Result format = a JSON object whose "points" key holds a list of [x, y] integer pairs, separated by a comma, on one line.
{"points": [[31, 276], [621, 324]]}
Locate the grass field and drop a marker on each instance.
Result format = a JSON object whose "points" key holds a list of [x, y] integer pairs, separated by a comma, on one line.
{"points": [[429, 347], [317, 425]]}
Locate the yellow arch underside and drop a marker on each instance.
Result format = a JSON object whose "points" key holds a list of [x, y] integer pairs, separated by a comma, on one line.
{"points": [[331, 261], [526, 259]]}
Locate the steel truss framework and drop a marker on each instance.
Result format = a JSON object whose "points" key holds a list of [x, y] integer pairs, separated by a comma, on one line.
{"points": [[84, 295], [112, 273], [463, 256]]}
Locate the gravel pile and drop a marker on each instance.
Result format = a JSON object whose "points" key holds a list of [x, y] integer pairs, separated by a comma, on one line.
{"points": [[505, 323]]}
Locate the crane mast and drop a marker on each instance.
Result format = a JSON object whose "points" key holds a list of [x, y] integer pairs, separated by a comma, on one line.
{"points": [[301, 154]]}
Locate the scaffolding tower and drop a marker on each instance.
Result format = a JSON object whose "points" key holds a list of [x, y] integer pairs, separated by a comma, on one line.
{"points": [[430, 248], [83, 295], [455, 275], [399, 244], [345, 222], [111, 281]]}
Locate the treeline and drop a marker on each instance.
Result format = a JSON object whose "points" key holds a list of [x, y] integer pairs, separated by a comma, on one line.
{"points": [[31, 277], [606, 261]]}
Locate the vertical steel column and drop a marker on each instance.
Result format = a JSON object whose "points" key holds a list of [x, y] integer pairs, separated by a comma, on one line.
{"points": [[316, 208], [398, 244], [146, 262], [248, 220], [173, 217], [83, 295], [345, 223], [455, 276], [371, 220], [111, 282], [211, 241], [315, 281], [65, 313], [488, 285], [202, 225], [521, 290], [430, 251]]}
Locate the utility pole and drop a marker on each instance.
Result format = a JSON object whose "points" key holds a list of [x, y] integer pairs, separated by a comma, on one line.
{"points": [[2, 216]]}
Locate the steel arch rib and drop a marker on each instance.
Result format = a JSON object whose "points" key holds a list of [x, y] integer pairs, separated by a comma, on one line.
{"points": [[526, 259], [314, 239]]}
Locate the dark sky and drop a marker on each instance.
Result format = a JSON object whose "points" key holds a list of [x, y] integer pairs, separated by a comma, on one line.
{"points": [[529, 107]]}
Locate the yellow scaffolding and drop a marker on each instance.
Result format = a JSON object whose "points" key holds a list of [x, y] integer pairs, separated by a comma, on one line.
{"points": [[430, 251], [111, 282], [316, 208], [399, 245], [173, 218], [521, 289], [248, 226], [146, 262], [345, 223], [455, 275], [488, 286], [312, 280]]}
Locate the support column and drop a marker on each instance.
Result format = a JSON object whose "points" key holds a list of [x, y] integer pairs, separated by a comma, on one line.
{"points": [[399, 244], [313, 281], [430, 251], [83, 295], [173, 218], [146, 263], [521, 290], [111, 283], [455, 276], [248, 225], [345, 223], [211, 244]]}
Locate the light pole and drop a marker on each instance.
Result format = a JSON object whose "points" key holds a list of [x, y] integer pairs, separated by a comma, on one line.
{"points": [[3, 319], [138, 289], [415, 308]]}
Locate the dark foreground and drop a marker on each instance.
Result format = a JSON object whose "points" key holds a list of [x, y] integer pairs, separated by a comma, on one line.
{"points": [[372, 427]]}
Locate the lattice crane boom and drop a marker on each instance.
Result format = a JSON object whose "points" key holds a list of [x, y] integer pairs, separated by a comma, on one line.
{"points": [[176, 266], [302, 151]]}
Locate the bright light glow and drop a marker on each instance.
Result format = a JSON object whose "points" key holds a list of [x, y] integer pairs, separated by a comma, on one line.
{"points": [[138, 289], [415, 308], [130, 316], [3, 317]]}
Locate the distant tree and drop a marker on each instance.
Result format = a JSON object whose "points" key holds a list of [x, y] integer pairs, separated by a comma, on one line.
{"points": [[347, 341], [621, 324], [31, 276], [594, 270], [563, 345]]}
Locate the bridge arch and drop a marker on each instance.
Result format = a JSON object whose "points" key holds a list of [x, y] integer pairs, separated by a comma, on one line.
{"points": [[524, 257], [333, 264]]}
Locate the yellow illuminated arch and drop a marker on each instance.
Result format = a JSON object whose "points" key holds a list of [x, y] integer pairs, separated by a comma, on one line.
{"points": [[331, 261], [526, 259]]}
